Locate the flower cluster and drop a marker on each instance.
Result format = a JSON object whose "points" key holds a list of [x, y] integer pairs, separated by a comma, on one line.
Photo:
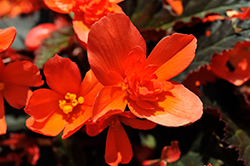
{"points": [[124, 84]]}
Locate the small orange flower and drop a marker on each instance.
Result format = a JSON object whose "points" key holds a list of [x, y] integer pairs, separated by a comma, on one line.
{"points": [[117, 57], [233, 65], [86, 12], [68, 105], [169, 154], [7, 37], [118, 147], [12, 8], [15, 80], [37, 34]]}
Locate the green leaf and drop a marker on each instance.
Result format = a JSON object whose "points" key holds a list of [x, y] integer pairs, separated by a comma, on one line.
{"points": [[58, 40]]}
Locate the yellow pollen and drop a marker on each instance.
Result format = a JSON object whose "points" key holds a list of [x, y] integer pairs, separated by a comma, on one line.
{"points": [[68, 105], [1, 85]]}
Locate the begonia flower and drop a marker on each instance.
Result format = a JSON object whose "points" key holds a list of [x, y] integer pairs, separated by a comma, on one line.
{"points": [[7, 37], [233, 65], [12, 8], [175, 5], [117, 57], [86, 13], [169, 154], [118, 147], [15, 80], [67, 105], [37, 34], [245, 14]]}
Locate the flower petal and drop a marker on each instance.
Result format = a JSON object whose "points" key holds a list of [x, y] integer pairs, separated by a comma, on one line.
{"points": [[22, 73], [76, 120], [137, 123], [43, 103], [172, 54], [3, 124], [7, 37], [16, 95], [109, 98], [81, 29], [107, 51], [51, 126], [60, 6], [178, 107], [62, 75], [90, 86], [93, 129], [118, 147], [176, 6]]}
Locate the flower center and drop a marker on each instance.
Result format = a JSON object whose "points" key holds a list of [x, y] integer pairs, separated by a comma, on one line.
{"points": [[1, 86], [70, 102]]}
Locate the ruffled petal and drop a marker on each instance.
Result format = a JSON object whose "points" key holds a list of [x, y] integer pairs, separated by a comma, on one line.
{"points": [[109, 98], [107, 51], [176, 107], [51, 126], [76, 120], [7, 37], [90, 86], [62, 75], [16, 95], [172, 54], [43, 103], [22, 73], [60, 6], [81, 29], [3, 124], [118, 147]]}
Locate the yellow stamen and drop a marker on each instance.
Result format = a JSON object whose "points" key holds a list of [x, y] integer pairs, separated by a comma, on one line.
{"points": [[68, 105], [1, 85]]}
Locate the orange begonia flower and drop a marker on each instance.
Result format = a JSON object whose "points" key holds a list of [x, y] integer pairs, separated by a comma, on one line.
{"points": [[7, 37], [117, 57], [15, 80], [67, 105], [37, 34], [169, 154], [12, 8], [233, 65], [86, 12], [118, 147]]}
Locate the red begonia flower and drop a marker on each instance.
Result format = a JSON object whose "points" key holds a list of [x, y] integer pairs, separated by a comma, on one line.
{"points": [[117, 57], [176, 5], [169, 154], [7, 37], [15, 80], [37, 34], [12, 8], [85, 13], [233, 65], [67, 105], [118, 147]]}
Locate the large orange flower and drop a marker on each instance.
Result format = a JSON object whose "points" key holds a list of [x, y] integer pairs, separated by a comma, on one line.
{"points": [[118, 147], [7, 37], [86, 12], [67, 105], [117, 57], [15, 80]]}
